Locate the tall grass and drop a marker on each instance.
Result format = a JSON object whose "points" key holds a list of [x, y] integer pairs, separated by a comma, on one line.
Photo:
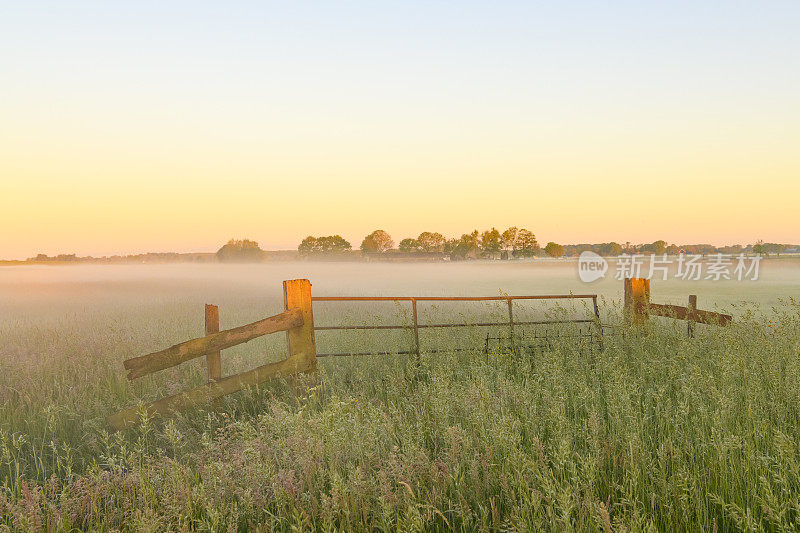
{"points": [[656, 432]]}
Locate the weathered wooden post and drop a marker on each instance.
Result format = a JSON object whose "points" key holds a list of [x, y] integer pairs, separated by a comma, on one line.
{"points": [[690, 316], [637, 300], [213, 359], [300, 339]]}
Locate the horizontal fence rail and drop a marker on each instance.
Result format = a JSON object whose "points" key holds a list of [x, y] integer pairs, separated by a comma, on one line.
{"points": [[415, 326], [447, 298], [185, 351], [297, 321], [460, 325], [695, 315], [205, 393], [638, 308]]}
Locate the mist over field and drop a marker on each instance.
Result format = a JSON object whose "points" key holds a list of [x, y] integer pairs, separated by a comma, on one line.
{"points": [[77, 314], [81, 285]]}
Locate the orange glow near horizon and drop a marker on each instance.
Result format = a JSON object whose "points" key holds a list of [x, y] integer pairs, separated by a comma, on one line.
{"points": [[95, 196]]}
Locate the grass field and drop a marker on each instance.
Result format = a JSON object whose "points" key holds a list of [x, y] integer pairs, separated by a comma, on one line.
{"points": [[656, 432]]}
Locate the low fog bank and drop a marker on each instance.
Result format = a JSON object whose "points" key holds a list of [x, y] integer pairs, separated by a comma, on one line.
{"points": [[778, 278]]}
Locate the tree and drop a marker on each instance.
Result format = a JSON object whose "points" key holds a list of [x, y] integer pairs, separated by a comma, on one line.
{"points": [[308, 246], [705, 249], [759, 248], [333, 244], [659, 247], [470, 239], [733, 249], [240, 250], [774, 248], [319, 245], [610, 249], [554, 250], [490, 242], [450, 245], [409, 245], [430, 242], [467, 247], [377, 242], [509, 239], [527, 245]]}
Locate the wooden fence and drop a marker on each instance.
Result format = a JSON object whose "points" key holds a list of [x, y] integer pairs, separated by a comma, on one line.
{"points": [[638, 308], [297, 321]]}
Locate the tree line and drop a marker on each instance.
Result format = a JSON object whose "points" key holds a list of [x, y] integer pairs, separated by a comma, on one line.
{"points": [[492, 243], [512, 243]]}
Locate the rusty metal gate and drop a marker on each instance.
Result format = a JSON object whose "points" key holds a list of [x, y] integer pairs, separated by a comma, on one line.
{"points": [[593, 326]]}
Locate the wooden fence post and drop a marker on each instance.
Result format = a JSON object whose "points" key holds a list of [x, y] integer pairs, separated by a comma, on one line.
{"points": [[689, 321], [300, 340], [637, 300], [213, 359]]}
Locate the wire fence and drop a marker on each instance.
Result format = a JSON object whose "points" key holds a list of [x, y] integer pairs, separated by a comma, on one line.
{"points": [[588, 327]]}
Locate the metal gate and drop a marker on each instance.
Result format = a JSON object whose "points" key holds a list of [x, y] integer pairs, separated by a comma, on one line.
{"points": [[592, 324]]}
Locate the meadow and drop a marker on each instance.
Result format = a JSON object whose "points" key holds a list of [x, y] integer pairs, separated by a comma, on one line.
{"points": [[655, 432]]}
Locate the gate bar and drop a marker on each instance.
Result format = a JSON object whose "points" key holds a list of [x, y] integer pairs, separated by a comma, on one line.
{"points": [[445, 298], [416, 326]]}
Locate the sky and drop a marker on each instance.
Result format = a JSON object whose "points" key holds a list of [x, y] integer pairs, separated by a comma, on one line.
{"points": [[128, 127]]}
